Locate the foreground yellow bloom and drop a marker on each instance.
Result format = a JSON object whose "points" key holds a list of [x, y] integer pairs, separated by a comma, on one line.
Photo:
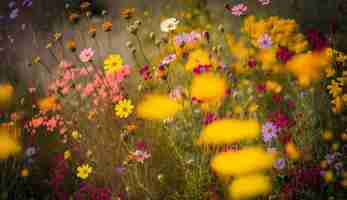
{"points": [[67, 155], [227, 131], [307, 67], [84, 171], [8, 145], [6, 94], [208, 87], [157, 107], [47, 103], [196, 58], [124, 108], [113, 63], [250, 186], [245, 161]]}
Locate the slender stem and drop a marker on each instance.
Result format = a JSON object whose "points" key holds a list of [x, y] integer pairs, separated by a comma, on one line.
{"points": [[142, 50]]}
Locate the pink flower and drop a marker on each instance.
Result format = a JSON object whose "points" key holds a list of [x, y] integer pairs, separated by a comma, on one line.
{"points": [[32, 90], [86, 55], [239, 9], [37, 122], [88, 90], [264, 2]]}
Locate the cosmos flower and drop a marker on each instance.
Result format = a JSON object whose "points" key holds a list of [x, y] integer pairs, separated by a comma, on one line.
{"points": [[265, 41], [14, 13], [169, 24], [86, 55], [269, 131], [239, 9], [279, 164], [168, 59], [264, 2]]}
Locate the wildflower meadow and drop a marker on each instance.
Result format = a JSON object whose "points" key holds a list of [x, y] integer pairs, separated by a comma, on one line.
{"points": [[206, 101]]}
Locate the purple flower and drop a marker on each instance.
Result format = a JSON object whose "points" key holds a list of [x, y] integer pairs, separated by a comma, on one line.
{"points": [[269, 131], [27, 3], [14, 13], [330, 158], [265, 41], [279, 164], [12, 4], [169, 59]]}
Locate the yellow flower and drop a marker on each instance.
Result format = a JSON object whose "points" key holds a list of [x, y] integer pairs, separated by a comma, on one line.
{"points": [[238, 49], [253, 107], [84, 171], [250, 186], [67, 154], [47, 103], [246, 161], [157, 107], [124, 108], [208, 87], [267, 58], [328, 135], [76, 135], [337, 102], [196, 58], [8, 145], [292, 151], [328, 176], [307, 67], [113, 63], [329, 72], [273, 86], [24, 172], [227, 131], [334, 88], [6, 94]]}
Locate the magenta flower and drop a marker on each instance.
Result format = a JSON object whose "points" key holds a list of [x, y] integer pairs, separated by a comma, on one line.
{"points": [[237, 10], [87, 55], [283, 54]]}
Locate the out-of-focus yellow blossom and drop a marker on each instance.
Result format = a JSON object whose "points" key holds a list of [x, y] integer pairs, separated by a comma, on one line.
{"points": [[238, 49], [328, 176], [250, 186], [113, 63], [344, 183], [6, 94], [292, 151], [307, 67], [246, 161], [324, 164], [67, 154], [267, 58], [76, 135], [196, 58], [273, 86], [84, 171], [237, 109], [335, 146], [158, 107], [8, 145], [253, 107], [328, 135], [334, 88], [227, 131], [47, 103], [329, 72], [24, 172], [337, 104], [208, 87], [344, 136]]}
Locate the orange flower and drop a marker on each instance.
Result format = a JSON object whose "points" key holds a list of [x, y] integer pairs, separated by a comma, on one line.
{"points": [[74, 17], [127, 13], [107, 26], [71, 45]]}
